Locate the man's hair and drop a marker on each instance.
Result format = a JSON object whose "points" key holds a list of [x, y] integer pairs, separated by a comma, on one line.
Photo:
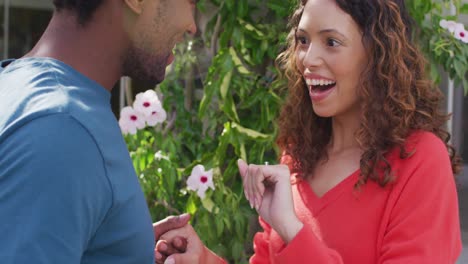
{"points": [[84, 9]]}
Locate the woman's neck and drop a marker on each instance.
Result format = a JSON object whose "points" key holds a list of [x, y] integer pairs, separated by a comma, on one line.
{"points": [[344, 131]]}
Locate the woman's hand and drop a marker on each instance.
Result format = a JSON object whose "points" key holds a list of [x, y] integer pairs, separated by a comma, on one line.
{"points": [[268, 189]]}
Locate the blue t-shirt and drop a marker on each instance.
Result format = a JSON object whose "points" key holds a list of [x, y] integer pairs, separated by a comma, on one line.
{"points": [[68, 190]]}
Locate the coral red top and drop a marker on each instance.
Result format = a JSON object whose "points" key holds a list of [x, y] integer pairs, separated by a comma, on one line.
{"points": [[413, 220]]}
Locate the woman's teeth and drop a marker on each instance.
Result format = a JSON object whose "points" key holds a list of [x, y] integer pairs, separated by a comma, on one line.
{"points": [[320, 83], [316, 82]]}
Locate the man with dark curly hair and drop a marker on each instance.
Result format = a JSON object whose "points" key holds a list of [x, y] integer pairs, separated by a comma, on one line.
{"points": [[68, 190]]}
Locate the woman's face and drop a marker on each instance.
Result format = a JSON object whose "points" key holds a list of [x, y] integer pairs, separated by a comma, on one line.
{"points": [[331, 57]]}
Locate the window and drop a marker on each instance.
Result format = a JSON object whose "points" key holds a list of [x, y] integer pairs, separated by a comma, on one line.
{"points": [[24, 21]]}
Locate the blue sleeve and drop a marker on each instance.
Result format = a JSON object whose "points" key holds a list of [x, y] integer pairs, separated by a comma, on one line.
{"points": [[54, 192]]}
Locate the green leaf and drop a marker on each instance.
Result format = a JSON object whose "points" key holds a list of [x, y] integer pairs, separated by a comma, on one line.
{"points": [[228, 223], [223, 142], [464, 9], [459, 69], [242, 8], [280, 7], [230, 108], [226, 83], [243, 152], [219, 227], [208, 204], [249, 132], [142, 162], [237, 249], [222, 64], [209, 91], [201, 5], [191, 207], [238, 224], [237, 62], [230, 5], [170, 182], [251, 28]]}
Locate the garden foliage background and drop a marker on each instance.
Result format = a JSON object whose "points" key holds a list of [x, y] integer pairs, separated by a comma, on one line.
{"points": [[222, 98]]}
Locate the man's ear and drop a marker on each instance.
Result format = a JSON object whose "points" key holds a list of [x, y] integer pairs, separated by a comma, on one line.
{"points": [[135, 5]]}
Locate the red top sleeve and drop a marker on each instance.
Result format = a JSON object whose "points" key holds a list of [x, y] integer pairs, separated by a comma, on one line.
{"points": [[261, 245], [305, 245]]}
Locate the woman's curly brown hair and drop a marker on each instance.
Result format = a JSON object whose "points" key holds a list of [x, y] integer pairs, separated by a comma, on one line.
{"points": [[396, 98]]}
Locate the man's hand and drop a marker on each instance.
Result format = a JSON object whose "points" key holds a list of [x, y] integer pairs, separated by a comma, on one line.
{"points": [[196, 252], [169, 223], [178, 245]]}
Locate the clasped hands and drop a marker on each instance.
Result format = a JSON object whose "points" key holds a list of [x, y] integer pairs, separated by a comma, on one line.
{"points": [[268, 190]]}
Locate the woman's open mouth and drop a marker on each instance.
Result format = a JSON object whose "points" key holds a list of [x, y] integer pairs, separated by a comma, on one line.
{"points": [[319, 89]]}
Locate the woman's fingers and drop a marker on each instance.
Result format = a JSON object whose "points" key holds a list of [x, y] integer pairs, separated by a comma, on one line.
{"points": [[256, 178], [252, 174], [247, 172], [259, 183], [252, 178], [243, 170]]}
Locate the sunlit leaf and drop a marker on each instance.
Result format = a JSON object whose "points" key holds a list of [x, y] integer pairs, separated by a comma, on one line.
{"points": [[249, 132]]}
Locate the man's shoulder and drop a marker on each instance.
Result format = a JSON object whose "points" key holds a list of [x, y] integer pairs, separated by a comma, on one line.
{"points": [[48, 132], [38, 87], [33, 71], [30, 91]]}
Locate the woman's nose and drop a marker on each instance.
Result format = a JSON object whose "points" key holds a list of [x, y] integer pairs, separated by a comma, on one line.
{"points": [[312, 57]]}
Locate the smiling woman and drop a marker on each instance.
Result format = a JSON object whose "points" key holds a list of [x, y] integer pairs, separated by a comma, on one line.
{"points": [[385, 87], [331, 57]]}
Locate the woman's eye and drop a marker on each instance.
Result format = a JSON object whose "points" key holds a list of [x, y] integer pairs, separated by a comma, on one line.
{"points": [[301, 40], [333, 43]]}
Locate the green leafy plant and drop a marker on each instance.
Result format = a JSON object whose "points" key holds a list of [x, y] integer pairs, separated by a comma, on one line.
{"points": [[442, 49]]}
